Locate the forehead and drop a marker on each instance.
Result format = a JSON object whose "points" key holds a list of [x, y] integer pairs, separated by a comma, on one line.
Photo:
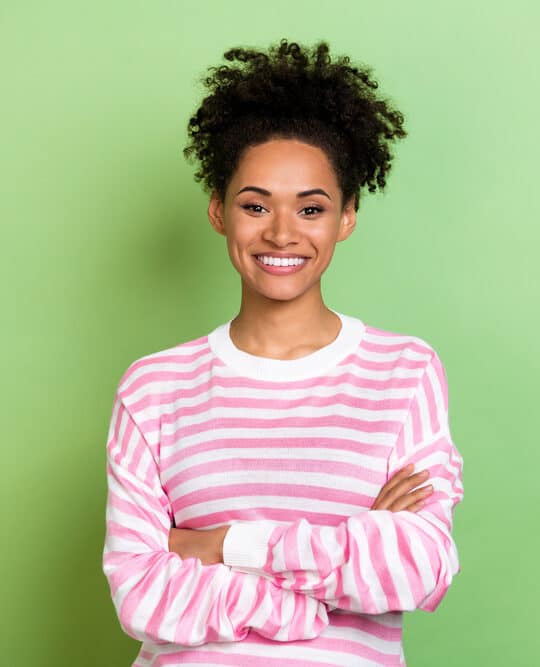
{"points": [[286, 163]]}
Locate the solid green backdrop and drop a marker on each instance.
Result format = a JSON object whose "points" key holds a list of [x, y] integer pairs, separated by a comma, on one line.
{"points": [[107, 255]]}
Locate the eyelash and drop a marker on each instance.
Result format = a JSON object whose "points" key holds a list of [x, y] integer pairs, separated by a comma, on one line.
{"points": [[317, 209]]}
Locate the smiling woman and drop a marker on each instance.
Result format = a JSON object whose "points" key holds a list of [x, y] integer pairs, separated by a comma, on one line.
{"points": [[263, 505]]}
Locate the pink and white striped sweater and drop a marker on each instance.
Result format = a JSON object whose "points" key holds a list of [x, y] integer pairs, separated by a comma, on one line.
{"points": [[292, 454]]}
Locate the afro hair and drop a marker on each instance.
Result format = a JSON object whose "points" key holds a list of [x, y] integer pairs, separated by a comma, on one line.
{"points": [[293, 91]]}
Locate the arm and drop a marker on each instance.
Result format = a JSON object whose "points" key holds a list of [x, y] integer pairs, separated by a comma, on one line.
{"points": [[375, 561], [160, 597]]}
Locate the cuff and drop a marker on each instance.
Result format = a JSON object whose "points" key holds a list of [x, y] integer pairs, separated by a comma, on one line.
{"points": [[246, 544]]}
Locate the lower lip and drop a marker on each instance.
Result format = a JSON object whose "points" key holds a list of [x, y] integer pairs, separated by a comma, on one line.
{"points": [[280, 270]]}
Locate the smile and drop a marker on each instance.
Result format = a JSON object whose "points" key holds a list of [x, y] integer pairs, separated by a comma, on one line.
{"points": [[280, 261], [280, 265]]}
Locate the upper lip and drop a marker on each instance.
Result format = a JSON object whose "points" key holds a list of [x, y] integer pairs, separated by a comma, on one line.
{"points": [[279, 254]]}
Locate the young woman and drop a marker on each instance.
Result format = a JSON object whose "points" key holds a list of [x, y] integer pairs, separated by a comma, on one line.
{"points": [[265, 501]]}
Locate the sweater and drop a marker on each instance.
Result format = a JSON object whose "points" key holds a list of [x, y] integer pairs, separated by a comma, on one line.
{"points": [[291, 454]]}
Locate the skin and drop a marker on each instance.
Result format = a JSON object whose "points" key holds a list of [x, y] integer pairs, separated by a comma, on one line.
{"points": [[284, 316]]}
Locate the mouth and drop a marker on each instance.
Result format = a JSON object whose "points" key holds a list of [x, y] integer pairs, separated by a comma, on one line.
{"points": [[281, 265]]}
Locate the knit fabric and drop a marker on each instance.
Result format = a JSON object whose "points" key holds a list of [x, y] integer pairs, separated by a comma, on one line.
{"points": [[291, 454]]}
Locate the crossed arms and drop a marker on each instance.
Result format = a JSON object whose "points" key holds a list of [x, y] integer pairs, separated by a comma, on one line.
{"points": [[280, 580]]}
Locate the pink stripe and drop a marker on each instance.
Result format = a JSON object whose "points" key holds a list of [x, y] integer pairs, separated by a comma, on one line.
{"points": [[164, 398], [192, 604], [217, 444], [329, 468], [296, 628], [267, 489], [362, 586], [311, 423], [416, 423], [135, 511], [290, 542], [441, 376], [369, 624], [356, 650], [390, 348], [318, 548], [390, 365], [380, 564], [431, 403], [257, 513], [206, 658], [167, 357], [244, 402]]}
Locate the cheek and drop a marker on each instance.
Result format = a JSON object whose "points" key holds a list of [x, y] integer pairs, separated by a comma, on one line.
{"points": [[239, 242], [325, 237]]}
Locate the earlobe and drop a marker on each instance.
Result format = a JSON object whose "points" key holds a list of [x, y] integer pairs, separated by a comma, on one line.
{"points": [[215, 213]]}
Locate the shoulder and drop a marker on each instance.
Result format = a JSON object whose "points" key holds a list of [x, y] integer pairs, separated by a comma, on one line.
{"points": [[152, 373], [388, 341], [398, 357], [384, 346]]}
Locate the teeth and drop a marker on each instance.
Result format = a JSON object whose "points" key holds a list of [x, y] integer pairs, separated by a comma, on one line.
{"points": [[281, 261]]}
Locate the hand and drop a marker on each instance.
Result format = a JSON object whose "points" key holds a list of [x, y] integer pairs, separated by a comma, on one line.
{"points": [[207, 545], [396, 494]]}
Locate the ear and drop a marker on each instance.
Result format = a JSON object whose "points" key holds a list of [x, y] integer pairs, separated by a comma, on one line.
{"points": [[215, 213], [348, 220]]}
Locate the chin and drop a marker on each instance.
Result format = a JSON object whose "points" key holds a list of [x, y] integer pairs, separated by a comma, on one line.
{"points": [[280, 296]]}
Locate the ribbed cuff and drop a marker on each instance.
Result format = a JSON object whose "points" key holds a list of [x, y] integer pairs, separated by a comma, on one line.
{"points": [[246, 544]]}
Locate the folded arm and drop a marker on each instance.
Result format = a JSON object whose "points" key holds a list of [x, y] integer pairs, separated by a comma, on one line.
{"points": [[159, 596], [375, 561]]}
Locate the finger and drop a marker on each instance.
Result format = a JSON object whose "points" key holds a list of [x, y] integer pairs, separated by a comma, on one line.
{"points": [[396, 479], [405, 502], [416, 506], [389, 494], [400, 494]]}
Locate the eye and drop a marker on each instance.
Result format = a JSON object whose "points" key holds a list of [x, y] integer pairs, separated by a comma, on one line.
{"points": [[252, 207], [314, 210]]}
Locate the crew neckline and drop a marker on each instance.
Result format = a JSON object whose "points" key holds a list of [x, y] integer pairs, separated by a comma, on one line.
{"points": [[267, 368]]}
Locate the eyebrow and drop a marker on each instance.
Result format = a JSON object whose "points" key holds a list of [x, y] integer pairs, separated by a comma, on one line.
{"points": [[267, 193]]}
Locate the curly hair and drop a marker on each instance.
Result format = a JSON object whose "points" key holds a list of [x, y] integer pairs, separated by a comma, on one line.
{"points": [[293, 91]]}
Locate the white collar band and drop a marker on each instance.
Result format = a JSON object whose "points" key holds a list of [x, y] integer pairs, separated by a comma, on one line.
{"points": [[310, 365]]}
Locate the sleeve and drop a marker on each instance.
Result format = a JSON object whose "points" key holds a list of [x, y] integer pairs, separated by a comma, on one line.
{"points": [[376, 561], [159, 596]]}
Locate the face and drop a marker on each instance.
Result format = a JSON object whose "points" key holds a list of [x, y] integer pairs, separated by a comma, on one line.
{"points": [[283, 201]]}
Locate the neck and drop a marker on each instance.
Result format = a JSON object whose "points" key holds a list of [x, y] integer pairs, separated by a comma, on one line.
{"points": [[284, 329]]}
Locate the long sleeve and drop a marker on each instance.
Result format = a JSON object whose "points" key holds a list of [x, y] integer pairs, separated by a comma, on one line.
{"points": [[375, 561], [161, 597]]}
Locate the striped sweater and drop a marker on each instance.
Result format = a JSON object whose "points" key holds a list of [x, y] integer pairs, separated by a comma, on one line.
{"points": [[291, 454]]}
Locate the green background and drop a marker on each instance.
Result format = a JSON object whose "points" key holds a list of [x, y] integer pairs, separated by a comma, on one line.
{"points": [[107, 255]]}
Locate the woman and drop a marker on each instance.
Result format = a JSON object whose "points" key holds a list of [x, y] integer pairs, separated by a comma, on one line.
{"points": [[263, 505]]}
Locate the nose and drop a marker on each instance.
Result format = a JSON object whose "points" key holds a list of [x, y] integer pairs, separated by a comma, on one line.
{"points": [[281, 230]]}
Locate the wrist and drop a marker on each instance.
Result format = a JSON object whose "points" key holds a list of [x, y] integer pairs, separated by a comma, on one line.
{"points": [[174, 545], [221, 532]]}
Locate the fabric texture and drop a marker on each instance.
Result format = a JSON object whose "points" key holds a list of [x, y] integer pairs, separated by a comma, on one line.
{"points": [[291, 454]]}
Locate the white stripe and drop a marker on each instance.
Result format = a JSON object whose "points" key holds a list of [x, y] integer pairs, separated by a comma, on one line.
{"points": [[397, 572], [138, 498], [367, 571], [356, 392], [421, 559], [322, 481], [265, 450], [332, 433], [303, 411], [267, 503]]}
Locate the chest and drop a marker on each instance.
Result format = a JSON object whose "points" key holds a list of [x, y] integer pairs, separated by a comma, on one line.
{"points": [[320, 453]]}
